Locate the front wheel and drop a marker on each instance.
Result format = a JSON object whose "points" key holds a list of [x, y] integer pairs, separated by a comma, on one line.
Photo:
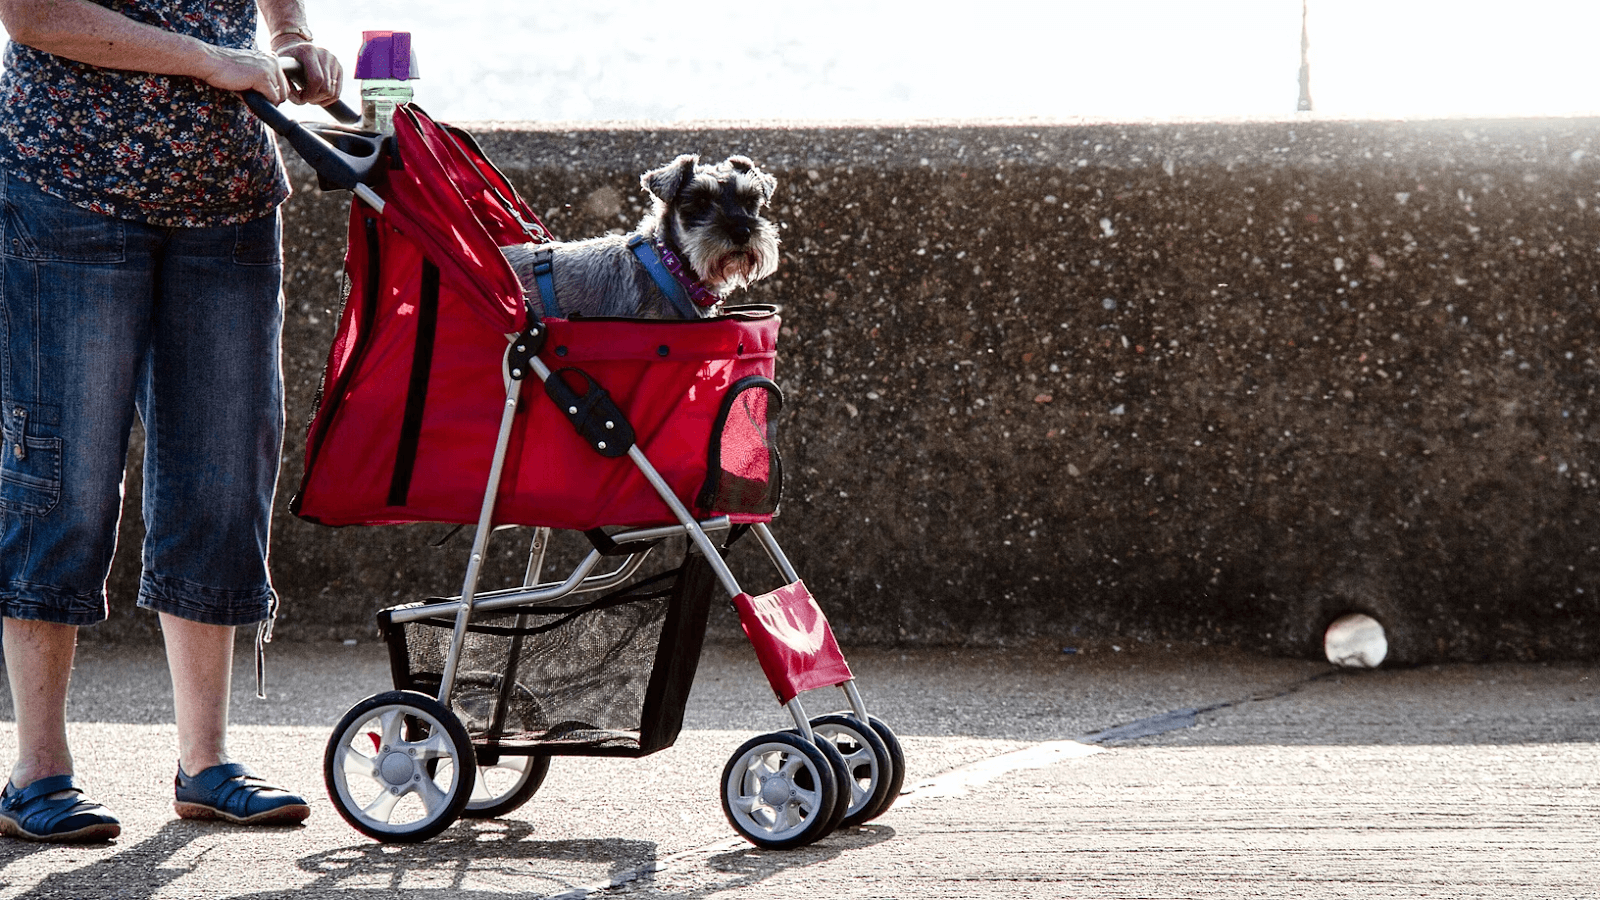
{"points": [[779, 791], [869, 769], [399, 767]]}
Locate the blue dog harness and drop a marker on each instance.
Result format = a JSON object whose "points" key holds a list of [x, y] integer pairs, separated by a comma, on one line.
{"points": [[643, 250]]}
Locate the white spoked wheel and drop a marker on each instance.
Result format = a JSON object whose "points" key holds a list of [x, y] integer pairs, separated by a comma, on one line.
{"points": [[897, 765], [504, 781], [869, 769], [399, 767], [505, 784], [779, 791]]}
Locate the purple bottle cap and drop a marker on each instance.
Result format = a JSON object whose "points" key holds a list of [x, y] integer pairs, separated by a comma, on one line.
{"points": [[386, 54]]}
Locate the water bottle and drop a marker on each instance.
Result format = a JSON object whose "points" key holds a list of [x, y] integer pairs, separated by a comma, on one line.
{"points": [[386, 66]]}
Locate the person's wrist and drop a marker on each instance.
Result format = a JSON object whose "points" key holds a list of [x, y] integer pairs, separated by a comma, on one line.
{"points": [[289, 36]]}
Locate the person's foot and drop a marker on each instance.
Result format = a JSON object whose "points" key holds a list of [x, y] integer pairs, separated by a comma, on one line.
{"points": [[233, 793], [53, 810]]}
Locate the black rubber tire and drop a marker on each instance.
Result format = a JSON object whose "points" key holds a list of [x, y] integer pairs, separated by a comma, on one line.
{"points": [[870, 769], [841, 774], [494, 807], [897, 762], [426, 732], [814, 775], [523, 708]]}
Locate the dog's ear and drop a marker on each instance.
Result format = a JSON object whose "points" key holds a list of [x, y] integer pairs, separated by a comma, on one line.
{"points": [[664, 183], [764, 182]]}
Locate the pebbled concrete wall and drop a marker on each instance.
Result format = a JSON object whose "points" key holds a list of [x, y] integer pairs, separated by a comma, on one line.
{"points": [[1089, 383]]}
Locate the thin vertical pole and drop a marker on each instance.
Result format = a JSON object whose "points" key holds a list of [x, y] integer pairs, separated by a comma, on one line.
{"points": [[1305, 61]]}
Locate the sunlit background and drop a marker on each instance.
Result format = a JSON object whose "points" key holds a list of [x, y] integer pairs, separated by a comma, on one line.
{"points": [[1066, 59], [1059, 60]]}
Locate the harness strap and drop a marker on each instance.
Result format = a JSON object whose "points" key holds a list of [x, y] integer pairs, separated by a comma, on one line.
{"points": [[676, 293], [544, 277]]}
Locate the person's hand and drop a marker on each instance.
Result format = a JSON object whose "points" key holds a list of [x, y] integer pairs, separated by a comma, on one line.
{"points": [[245, 70], [324, 74]]}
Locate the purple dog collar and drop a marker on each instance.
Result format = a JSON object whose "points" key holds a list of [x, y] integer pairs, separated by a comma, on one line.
{"points": [[699, 293]]}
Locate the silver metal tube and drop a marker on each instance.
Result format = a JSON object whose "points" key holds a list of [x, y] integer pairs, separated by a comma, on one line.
{"points": [[489, 602], [696, 534], [856, 705], [370, 197], [775, 553], [579, 582], [480, 543], [802, 723], [536, 551]]}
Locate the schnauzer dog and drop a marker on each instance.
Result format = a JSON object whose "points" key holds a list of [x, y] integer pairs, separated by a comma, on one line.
{"points": [[704, 238]]}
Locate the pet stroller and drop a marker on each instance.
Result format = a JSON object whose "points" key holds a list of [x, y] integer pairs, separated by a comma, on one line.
{"points": [[639, 435]]}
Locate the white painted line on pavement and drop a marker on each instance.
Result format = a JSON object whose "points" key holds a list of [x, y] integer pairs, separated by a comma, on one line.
{"points": [[959, 781]]}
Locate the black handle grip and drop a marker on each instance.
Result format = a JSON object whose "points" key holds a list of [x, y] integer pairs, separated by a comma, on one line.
{"points": [[334, 167], [295, 72]]}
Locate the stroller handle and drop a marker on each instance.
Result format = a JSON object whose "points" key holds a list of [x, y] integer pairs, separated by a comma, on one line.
{"points": [[341, 157], [296, 73]]}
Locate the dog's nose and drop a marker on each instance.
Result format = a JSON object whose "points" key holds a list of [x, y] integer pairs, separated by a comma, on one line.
{"points": [[739, 231]]}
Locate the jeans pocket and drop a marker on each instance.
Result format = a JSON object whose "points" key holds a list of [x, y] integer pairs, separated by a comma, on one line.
{"points": [[43, 228], [258, 242], [30, 465]]}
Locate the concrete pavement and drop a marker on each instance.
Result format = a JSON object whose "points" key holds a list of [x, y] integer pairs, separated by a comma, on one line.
{"points": [[1149, 771]]}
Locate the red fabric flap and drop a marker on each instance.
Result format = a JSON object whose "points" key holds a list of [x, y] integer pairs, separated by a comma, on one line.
{"points": [[792, 640]]}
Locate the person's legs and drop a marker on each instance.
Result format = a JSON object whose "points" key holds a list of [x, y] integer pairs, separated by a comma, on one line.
{"points": [[74, 293], [212, 404], [200, 658], [38, 666]]}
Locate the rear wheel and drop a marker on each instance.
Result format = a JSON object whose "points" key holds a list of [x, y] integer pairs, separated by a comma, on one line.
{"points": [[399, 767], [504, 782]]}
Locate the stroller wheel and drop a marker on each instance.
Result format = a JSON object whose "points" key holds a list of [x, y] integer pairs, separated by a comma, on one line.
{"points": [[399, 767], [897, 768], [841, 774], [869, 770], [505, 784], [509, 781], [779, 791]]}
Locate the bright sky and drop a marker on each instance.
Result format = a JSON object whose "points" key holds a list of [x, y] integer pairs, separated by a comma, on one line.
{"points": [[1062, 59], [1119, 59]]}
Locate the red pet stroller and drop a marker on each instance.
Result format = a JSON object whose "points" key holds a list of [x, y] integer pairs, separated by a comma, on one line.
{"points": [[640, 435]]}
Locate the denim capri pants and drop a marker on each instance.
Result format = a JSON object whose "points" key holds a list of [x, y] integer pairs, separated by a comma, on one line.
{"points": [[104, 319]]}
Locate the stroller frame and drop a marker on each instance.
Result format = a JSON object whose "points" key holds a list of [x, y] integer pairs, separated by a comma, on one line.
{"points": [[779, 790]]}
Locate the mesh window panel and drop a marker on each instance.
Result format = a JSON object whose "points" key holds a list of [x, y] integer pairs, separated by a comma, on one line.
{"points": [[745, 475]]}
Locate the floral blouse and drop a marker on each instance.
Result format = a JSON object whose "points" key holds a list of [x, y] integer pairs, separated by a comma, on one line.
{"points": [[167, 150]]}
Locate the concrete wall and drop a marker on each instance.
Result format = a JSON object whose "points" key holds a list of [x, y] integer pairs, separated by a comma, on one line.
{"points": [[1094, 383]]}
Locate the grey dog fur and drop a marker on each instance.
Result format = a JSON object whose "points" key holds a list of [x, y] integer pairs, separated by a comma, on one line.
{"points": [[709, 215]]}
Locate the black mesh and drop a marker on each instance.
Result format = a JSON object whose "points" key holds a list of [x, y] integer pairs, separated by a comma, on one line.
{"points": [[608, 676]]}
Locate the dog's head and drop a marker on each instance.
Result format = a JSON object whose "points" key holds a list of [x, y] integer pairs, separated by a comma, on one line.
{"points": [[712, 216]]}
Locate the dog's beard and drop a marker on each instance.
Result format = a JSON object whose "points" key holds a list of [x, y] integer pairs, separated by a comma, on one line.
{"points": [[724, 266]]}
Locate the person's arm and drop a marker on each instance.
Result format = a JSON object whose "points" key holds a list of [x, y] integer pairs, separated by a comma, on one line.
{"points": [[290, 36], [88, 33]]}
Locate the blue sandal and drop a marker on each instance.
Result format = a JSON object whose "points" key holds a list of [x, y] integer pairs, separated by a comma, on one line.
{"points": [[233, 793], [34, 814]]}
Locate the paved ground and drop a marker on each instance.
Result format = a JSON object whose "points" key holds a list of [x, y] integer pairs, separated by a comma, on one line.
{"points": [[1147, 772]]}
